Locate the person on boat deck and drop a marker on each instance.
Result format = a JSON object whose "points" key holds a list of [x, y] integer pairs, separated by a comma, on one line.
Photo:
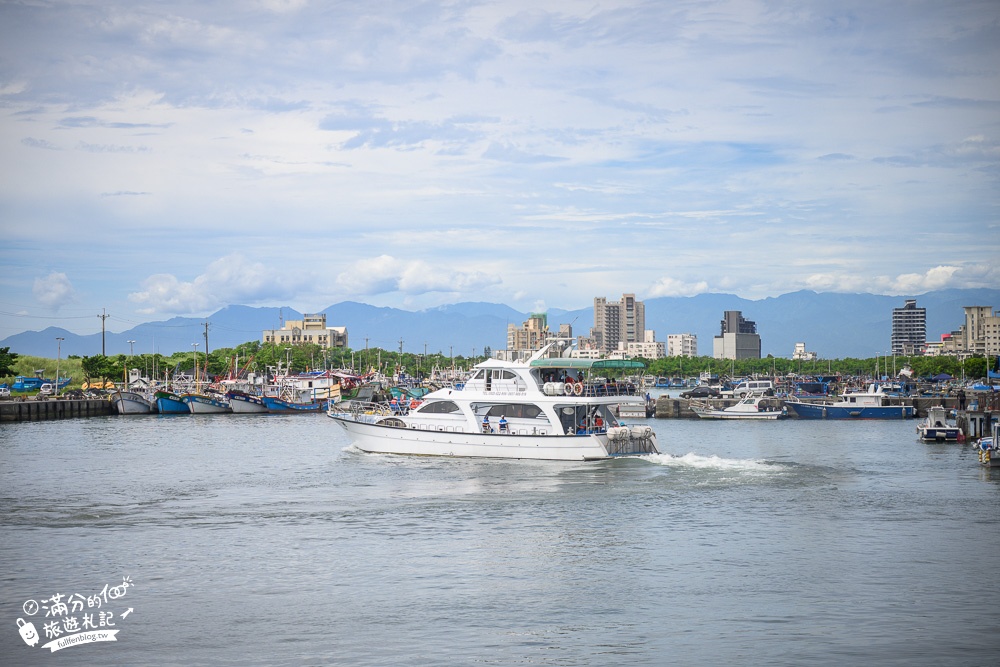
{"points": [[503, 423], [394, 405], [486, 424], [581, 429], [598, 423]]}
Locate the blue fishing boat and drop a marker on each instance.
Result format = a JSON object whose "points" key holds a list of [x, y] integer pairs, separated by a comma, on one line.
{"points": [[874, 403], [169, 403], [275, 404]]}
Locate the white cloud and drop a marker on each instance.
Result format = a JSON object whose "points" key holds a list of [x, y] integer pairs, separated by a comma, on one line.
{"points": [[229, 280], [382, 274], [54, 290], [667, 286], [936, 278]]}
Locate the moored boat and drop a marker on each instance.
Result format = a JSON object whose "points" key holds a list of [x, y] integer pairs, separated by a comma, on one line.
{"points": [[989, 448], [131, 403], [539, 409], [277, 404], [935, 427], [749, 407], [874, 403], [243, 403], [169, 403], [206, 403]]}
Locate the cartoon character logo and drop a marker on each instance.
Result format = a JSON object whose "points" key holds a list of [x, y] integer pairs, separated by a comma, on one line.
{"points": [[28, 632]]}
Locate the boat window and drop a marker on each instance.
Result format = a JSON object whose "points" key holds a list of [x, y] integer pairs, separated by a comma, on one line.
{"points": [[518, 410], [438, 407]]}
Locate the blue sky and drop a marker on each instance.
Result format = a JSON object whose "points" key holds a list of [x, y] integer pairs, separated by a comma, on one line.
{"points": [[164, 159]]}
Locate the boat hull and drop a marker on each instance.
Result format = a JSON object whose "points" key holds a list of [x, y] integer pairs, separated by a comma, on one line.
{"points": [[131, 403], [280, 405], [199, 404], [246, 404], [381, 439], [171, 404], [753, 416], [821, 411], [940, 433]]}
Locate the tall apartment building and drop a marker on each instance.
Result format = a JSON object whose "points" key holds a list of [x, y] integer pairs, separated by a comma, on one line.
{"points": [[615, 322], [310, 329], [530, 336], [981, 333], [909, 329], [682, 345], [738, 339]]}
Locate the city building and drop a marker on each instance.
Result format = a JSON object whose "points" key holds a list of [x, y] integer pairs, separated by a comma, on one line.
{"points": [[738, 338], [615, 322], [310, 329], [801, 354], [981, 332], [909, 329], [682, 345], [530, 336], [647, 348]]}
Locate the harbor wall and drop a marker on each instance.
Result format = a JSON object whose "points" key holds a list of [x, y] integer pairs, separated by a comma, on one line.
{"points": [[680, 408], [54, 408]]}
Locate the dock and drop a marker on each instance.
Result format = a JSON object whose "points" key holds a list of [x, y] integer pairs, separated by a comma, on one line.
{"points": [[16, 410]]}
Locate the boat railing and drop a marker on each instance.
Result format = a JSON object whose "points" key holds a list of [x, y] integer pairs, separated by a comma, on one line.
{"points": [[366, 408]]}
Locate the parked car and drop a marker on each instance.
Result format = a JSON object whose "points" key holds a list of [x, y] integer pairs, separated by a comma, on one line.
{"points": [[4, 391], [700, 392], [46, 389]]}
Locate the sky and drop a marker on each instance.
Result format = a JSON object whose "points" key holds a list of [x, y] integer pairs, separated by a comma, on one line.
{"points": [[162, 159]]}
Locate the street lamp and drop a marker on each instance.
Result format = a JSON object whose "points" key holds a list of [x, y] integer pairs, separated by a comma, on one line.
{"points": [[131, 351], [58, 357], [195, 346]]}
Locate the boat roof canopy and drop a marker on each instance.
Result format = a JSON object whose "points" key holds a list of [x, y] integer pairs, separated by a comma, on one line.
{"points": [[586, 364]]}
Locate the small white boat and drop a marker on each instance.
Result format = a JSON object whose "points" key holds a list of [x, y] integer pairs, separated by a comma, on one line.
{"points": [[539, 409], [244, 403], [749, 407], [935, 428]]}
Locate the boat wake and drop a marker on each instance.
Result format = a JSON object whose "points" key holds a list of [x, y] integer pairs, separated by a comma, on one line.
{"points": [[699, 462]]}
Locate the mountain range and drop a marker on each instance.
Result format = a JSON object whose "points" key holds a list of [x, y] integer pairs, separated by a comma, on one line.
{"points": [[831, 324]]}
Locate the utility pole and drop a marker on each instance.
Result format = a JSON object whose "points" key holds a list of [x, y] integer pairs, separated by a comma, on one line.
{"points": [[103, 317]]}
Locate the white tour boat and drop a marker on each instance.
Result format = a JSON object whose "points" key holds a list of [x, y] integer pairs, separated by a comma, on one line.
{"points": [[539, 409]]}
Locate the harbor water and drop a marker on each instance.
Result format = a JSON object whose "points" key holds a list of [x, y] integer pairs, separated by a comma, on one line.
{"points": [[269, 540]]}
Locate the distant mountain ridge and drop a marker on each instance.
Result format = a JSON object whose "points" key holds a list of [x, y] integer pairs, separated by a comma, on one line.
{"points": [[831, 324]]}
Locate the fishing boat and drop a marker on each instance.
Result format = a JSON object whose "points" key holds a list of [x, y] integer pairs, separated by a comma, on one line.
{"points": [[989, 448], [874, 403], [279, 404], [935, 427], [542, 408], [206, 403], [244, 403], [749, 407], [169, 403], [131, 403]]}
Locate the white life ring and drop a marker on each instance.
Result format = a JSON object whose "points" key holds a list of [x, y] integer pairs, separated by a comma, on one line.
{"points": [[568, 389], [578, 389]]}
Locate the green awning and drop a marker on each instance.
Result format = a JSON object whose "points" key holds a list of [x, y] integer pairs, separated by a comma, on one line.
{"points": [[587, 364]]}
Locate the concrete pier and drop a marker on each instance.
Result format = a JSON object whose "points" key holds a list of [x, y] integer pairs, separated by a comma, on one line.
{"points": [[53, 408]]}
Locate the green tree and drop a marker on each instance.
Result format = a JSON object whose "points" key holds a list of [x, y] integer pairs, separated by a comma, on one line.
{"points": [[97, 366], [7, 359]]}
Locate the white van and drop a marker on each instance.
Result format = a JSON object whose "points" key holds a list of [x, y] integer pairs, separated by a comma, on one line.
{"points": [[765, 387]]}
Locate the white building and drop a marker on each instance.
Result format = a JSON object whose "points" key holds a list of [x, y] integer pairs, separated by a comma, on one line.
{"points": [[801, 354], [682, 345], [310, 329]]}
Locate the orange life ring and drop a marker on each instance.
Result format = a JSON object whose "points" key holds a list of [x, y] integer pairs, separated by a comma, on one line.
{"points": [[578, 389]]}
